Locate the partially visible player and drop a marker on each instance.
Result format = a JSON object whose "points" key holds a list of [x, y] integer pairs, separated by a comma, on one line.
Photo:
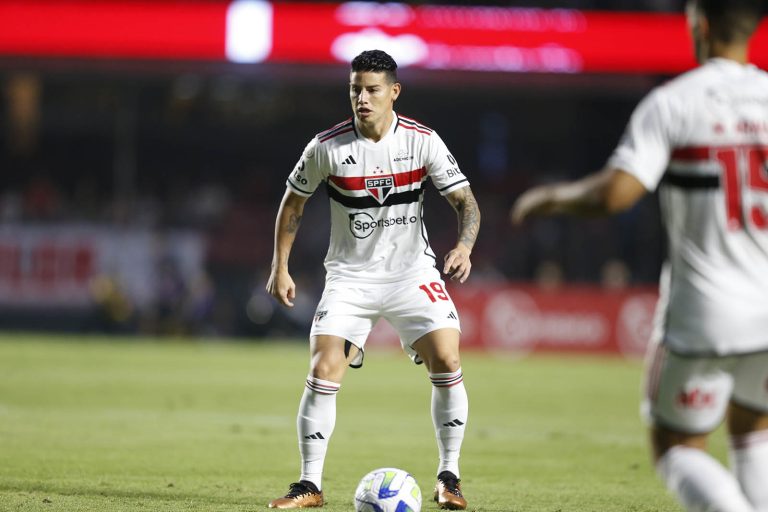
{"points": [[379, 265], [702, 139]]}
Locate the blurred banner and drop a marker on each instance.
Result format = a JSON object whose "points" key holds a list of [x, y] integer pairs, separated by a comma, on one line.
{"points": [[588, 319], [59, 266], [433, 37]]}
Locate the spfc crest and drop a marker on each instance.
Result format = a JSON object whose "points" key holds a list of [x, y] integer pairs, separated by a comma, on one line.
{"points": [[380, 187], [320, 314]]}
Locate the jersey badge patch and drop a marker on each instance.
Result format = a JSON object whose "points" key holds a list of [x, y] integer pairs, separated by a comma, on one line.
{"points": [[380, 187]]}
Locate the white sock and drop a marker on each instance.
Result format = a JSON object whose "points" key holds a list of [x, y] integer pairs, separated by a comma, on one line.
{"points": [[449, 415], [749, 458], [314, 423], [700, 482]]}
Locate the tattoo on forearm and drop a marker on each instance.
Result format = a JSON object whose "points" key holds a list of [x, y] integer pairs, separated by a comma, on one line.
{"points": [[469, 217], [293, 223]]}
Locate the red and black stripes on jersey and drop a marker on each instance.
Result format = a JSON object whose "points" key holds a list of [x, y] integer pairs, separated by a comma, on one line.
{"points": [[362, 202], [341, 189], [699, 155], [343, 127], [688, 182], [411, 124], [401, 179]]}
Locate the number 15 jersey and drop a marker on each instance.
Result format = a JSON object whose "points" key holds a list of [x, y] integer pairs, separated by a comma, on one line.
{"points": [[703, 140], [376, 192]]}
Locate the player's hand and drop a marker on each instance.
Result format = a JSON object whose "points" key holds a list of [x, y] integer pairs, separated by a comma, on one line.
{"points": [[281, 286], [457, 264], [536, 201]]}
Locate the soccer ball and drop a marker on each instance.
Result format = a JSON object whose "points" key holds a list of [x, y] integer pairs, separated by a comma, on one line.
{"points": [[388, 490]]}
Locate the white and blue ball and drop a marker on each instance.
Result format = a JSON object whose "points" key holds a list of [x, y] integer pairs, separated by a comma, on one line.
{"points": [[388, 490]]}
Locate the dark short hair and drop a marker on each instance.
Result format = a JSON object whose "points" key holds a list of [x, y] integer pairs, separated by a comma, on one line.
{"points": [[376, 61], [731, 20]]}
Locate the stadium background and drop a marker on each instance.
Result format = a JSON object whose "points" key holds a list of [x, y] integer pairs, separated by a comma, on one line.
{"points": [[141, 180], [143, 155]]}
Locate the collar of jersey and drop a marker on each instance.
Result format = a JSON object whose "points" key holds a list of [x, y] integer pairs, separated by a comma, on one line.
{"points": [[390, 131], [723, 62]]}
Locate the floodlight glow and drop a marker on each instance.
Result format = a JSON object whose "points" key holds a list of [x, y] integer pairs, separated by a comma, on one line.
{"points": [[249, 31]]}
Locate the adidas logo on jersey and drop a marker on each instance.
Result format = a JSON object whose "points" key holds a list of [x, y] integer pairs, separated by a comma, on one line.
{"points": [[452, 316], [350, 160]]}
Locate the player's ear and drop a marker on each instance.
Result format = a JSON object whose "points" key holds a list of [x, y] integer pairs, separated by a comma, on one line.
{"points": [[702, 38], [395, 90], [703, 27], [698, 22]]}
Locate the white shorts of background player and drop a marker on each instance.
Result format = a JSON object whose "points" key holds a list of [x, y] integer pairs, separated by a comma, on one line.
{"points": [[691, 394]]}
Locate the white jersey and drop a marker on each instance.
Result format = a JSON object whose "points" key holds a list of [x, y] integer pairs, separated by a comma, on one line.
{"points": [[376, 192], [703, 140]]}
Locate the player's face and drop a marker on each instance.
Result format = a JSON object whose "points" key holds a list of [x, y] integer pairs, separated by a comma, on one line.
{"points": [[372, 96]]}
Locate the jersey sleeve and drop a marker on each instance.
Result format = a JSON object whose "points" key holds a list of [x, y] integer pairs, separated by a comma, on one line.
{"points": [[442, 168], [644, 149], [309, 171]]}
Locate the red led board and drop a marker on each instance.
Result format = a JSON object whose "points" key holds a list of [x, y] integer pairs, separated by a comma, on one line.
{"points": [[432, 37]]}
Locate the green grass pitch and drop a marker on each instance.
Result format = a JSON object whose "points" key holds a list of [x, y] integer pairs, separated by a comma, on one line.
{"points": [[143, 425]]}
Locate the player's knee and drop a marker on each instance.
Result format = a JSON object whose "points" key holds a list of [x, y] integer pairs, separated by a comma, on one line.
{"points": [[331, 369], [445, 363], [663, 440], [743, 420]]}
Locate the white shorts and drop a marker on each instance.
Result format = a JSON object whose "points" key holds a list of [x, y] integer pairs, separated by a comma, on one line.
{"points": [[349, 309], [691, 394]]}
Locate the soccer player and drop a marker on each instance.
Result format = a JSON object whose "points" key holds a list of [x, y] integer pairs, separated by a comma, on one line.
{"points": [[702, 139], [379, 265]]}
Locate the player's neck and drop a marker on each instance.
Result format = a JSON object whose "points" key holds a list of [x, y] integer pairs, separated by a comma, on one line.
{"points": [[734, 52], [377, 130]]}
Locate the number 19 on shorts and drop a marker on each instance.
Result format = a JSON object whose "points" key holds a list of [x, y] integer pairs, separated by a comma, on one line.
{"points": [[434, 291]]}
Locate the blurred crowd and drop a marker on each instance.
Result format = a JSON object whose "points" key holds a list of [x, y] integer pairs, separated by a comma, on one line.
{"points": [[211, 153]]}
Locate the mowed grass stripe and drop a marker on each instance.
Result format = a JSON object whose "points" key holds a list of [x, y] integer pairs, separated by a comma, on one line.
{"points": [[103, 424]]}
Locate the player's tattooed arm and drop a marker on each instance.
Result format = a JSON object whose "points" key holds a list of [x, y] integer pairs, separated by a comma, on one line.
{"points": [[465, 204], [457, 262], [280, 284], [294, 221]]}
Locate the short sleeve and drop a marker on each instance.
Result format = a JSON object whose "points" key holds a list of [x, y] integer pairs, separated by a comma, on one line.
{"points": [[644, 150], [442, 167], [309, 171]]}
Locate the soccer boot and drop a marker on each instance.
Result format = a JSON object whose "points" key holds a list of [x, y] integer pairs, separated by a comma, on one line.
{"points": [[303, 494], [448, 492]]}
